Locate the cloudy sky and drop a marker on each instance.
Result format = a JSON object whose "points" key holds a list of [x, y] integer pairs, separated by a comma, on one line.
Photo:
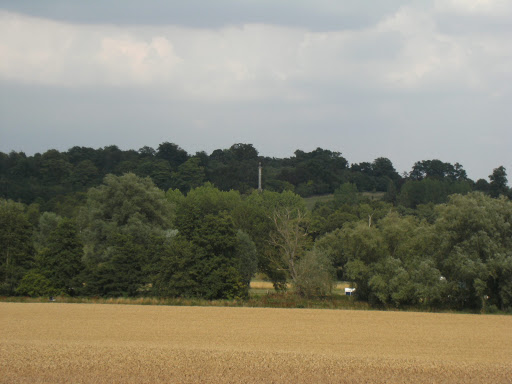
{"points": [[406, 80]]}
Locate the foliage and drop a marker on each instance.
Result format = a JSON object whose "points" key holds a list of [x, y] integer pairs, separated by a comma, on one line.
{"points": [[290, 239], [498, 185], [47, 223], [189, 175], [247, 256], [16, 251], [124, 220], [34, 284], [430, 190], [204, 264], [124, 204], [476, 238], [126, 272], [60, 261], [315, 274], [425, 239]]}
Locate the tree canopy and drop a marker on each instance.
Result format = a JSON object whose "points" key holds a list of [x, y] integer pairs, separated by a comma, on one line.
{"points": [[109, 222]]}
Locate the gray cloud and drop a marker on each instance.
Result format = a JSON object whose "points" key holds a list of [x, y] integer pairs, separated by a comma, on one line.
{"points": [[395, 81], [320, 15]]}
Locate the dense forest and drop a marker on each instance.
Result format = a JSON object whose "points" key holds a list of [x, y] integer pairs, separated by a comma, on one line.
{"points": [[108, 222]]}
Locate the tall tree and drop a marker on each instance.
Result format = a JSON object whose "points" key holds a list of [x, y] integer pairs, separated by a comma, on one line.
{"points": [[498, 185], [291, 240], [203, 263], [124, 204], [475, 233], [189, 175], [16, 251], [172, 153], [61, 259]]}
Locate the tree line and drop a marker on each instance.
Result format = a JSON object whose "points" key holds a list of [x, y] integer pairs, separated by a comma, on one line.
{"points": [[58, 181], [164, 223]]}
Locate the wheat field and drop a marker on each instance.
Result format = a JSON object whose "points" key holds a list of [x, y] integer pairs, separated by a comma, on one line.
{"points": [[93, 343], [269, 286]]}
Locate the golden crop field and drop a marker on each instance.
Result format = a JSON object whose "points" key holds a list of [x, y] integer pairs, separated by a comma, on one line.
{"points": [[270, 287], [94, 343]]}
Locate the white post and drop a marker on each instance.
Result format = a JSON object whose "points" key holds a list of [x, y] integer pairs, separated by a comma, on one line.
{"points": [[260, 189]]}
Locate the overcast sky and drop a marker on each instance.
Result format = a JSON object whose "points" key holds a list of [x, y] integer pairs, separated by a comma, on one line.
{"points": [[406, 80]]}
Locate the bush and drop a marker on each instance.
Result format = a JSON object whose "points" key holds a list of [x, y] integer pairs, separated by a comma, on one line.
{"points": [[315, 274], [34, 284]]}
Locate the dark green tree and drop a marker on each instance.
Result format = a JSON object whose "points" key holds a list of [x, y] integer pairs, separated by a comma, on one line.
{"points": [[247, 257], [475, 238], [204, 263], [61, 259], [172, 153], [200, 202], [189, 175], [34, 284], [498, 185], [125, 273], [16, 251]]}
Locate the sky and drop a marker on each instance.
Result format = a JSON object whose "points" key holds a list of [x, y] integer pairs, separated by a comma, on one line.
{"points": [[405, 80]]}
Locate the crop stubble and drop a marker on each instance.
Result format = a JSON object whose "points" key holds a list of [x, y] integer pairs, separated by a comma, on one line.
{"points": [[87, 343]]}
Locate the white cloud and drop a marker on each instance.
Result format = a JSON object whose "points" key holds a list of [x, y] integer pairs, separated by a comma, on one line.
{"points": [[253, 61], [54, 53], [122, 58], [437, 76]]}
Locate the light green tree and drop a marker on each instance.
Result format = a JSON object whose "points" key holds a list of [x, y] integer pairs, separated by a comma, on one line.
{"points": [[124, 204], [291, 240], [315, 274], [124, 223], [48, 222], [475, 238]]}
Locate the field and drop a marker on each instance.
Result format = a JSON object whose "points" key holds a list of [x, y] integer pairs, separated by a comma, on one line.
{"points": [[87, 343], [259, 287], [312, 200]]}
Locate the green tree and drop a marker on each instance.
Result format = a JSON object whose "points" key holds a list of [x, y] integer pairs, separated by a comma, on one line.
{"points": [[200, 202], [179, 270], [254, 215], [61, 259], [55, 169], [234, 168], [475, 238], [498, 185], [125, 273], [16, 252], [124, 204], [315, 274], [414, 193], [158, 170], [48, 223], [172, 153], [189, 175], [203, 264], [123, 220], [290, 238], [84, 175], [346, 194], [34, 284], [247, 256]]}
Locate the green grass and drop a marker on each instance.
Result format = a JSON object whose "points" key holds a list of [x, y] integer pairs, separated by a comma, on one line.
{"points": [[312, 200], [262, 300], [374, 195], [257, 299]]}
